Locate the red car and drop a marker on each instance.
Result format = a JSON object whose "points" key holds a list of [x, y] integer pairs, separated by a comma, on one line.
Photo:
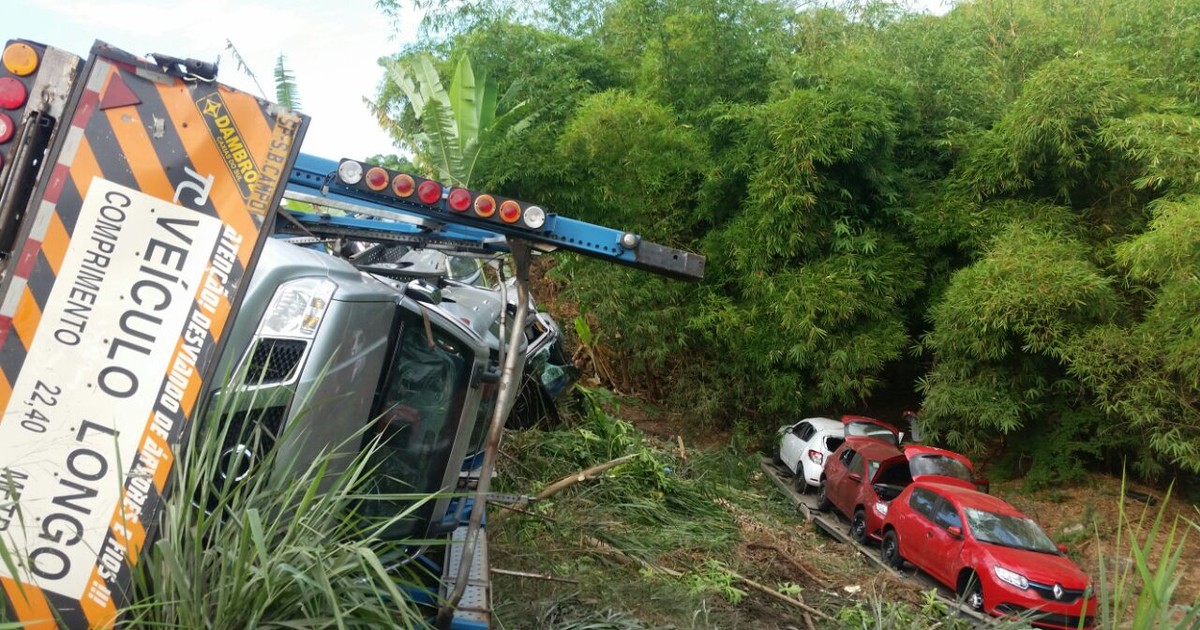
{"points": [[994, 556], [865, 473]]}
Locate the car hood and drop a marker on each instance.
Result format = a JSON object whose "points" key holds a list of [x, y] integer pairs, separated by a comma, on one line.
{"points": [[1044, 568]]}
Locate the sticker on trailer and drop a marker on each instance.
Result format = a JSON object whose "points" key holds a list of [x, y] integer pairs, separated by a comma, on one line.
{"points": [[149, 217]]}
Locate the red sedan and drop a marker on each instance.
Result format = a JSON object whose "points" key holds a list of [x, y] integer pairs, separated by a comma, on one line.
{"points": [[997, 558], [864, 474]]}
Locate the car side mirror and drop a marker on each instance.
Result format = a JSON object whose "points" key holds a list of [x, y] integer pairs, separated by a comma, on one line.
{"points": [[1062, 549], [954, 531]]}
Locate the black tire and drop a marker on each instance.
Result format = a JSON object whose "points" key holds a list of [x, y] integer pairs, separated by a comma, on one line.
{"points": [[823, 502], [858, 527], [800, 484], [889, 550], [776, 459], [972, 593]]}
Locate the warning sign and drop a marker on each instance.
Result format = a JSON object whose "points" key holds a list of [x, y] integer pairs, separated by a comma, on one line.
{"points": [[81, 406], [130, 265]]}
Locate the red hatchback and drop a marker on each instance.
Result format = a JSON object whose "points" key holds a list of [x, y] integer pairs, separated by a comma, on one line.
{"points": [[865, 473], [997, 558]]}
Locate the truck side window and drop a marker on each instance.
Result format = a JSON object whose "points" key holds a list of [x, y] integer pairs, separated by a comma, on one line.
{"points": [[418, 420]]}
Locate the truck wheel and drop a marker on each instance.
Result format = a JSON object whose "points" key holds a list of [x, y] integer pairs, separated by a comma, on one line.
{"points": [[858, 526], [889, 550], [823, 502]]}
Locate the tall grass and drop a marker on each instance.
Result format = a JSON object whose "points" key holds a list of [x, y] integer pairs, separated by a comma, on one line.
{"points": [[1139, 592], [283, 546]]}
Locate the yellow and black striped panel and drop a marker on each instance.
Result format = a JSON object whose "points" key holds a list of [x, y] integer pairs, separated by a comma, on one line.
{"points": [[200, 148]]}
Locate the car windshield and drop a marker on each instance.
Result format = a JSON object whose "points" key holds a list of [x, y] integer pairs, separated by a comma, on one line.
{"points": [[1009, 531], [867, 429], [939, 465]]}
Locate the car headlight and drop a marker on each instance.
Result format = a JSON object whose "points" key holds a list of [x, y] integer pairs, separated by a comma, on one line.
{"points": [[297, 308], [1012, 577], [881, 508]]}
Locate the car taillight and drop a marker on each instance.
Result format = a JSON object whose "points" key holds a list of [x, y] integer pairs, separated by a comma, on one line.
{"points": [[816, 457]]}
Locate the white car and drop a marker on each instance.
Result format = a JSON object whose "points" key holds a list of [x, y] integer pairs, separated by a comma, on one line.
{"points": [[804, 446]]}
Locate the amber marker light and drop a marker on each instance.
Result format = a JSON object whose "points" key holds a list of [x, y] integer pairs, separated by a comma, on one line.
{"points": [[510, 211], [485, 206], [403, 185], [377, 178], [20, 59]]}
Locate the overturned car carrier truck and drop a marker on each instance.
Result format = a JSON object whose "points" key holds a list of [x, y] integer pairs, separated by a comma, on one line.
{"points": [[156, 270]]}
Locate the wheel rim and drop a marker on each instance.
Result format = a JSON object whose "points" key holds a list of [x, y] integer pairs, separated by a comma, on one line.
{"points": [[889, 549], [975, 598], [859, 527]]}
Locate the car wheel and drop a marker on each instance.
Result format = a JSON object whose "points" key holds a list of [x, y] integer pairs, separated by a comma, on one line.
{"points": [[823, 502], [889, 550], [972, 593], [777, 460], [858, 526], [800, 484]]}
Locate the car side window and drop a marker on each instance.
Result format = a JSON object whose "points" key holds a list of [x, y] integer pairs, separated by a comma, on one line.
{"points": [[856, 464], [803, 431], [847, 455], [922, 502], [946, 515]]}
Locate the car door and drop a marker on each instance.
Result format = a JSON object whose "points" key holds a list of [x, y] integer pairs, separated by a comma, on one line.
{"points": [[915, 525], [943, 549], [838, 479], [794, 444]]}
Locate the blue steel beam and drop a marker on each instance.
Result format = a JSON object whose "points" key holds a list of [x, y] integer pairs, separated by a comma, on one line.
{"points": [[314, 176]]}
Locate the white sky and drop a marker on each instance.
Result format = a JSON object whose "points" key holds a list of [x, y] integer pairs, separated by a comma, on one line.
{"points": [[331, 48]]}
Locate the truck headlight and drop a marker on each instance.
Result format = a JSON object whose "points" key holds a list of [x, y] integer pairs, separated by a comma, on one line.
{"points": [[297, 308], [1012, 577]]}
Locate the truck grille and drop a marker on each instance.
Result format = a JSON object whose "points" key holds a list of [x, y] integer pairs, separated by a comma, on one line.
{"points": [[274, 360]]}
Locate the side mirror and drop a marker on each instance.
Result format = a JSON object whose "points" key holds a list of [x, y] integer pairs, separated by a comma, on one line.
{"points": [[1062, 549], [954, 531]]}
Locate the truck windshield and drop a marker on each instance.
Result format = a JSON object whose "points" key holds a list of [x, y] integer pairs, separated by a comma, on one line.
{"points": [[421, 401]]}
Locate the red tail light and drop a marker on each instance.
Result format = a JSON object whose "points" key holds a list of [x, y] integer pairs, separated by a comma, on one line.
{"points": [[429, 192], [459, 199], [12, 93], [816, 457], [6, 128]]}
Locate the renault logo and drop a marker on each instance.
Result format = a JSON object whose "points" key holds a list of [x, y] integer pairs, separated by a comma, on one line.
{"points": [[1058, 591]]}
